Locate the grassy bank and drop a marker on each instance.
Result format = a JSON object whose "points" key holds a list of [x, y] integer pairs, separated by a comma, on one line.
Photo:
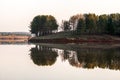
{"points": [[70, 37]]}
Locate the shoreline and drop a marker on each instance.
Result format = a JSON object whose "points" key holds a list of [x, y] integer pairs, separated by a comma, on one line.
{"points": [[80, 39]]}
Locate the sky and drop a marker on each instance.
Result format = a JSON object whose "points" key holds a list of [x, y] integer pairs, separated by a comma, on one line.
{"points": [[16, 15]]}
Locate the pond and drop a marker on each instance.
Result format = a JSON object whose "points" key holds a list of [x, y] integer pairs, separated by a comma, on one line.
{"points": [[59, 62]]}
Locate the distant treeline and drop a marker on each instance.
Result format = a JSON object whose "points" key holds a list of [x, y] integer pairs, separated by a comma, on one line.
{"points": [[80, 24], [15, 33], [94, 24]]}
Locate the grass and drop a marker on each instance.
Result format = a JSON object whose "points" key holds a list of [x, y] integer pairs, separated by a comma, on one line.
{"points": [[71, 35], [56, 35]]}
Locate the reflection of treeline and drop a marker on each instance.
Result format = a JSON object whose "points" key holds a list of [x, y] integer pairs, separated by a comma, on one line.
{"points": [[94, 57], [43, 56], [102, 58], [81, 57]]}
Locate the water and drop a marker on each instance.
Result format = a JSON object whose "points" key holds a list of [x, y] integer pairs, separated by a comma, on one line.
{"points": [[59, 62]]}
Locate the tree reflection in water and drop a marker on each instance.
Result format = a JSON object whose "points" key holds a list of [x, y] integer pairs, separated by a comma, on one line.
{"points": [[43, 56], [81, 57]]}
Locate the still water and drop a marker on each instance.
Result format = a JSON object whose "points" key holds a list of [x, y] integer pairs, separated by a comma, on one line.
{"points": [[59, 62]]}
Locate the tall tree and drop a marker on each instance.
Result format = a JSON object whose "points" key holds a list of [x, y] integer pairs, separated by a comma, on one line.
{"points": [[110, 27], [81, 26], [91, 20], [116, 23], [35, 25], [66, 25], [102, 23]]}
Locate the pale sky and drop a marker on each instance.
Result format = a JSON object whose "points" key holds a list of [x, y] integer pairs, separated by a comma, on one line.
{"points": [[16, 15]]}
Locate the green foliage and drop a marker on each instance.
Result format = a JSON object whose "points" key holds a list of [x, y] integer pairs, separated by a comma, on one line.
{"points": [[43, 24], [51, 22], [110, 27], [91, 22], [81, 26], [94, 24], [66, 25], [102, 23]]}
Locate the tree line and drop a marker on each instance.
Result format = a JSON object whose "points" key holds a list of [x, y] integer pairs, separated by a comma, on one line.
{"points": [[80, 24], [94, 24]]}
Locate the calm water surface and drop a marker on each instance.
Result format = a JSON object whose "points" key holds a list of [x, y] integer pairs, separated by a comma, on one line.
{"points": [[59, 62]]}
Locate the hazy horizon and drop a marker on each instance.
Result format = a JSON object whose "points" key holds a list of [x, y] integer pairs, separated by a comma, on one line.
{"points": [[16, 15]]}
